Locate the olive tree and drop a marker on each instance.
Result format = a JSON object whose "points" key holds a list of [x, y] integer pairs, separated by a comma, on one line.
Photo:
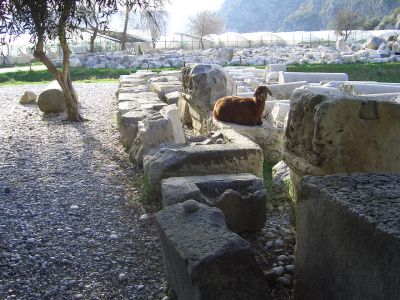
{"points": [[154, 21], [48, 20], [204, 23], [346, 20], [149, 8], [95, 16]]}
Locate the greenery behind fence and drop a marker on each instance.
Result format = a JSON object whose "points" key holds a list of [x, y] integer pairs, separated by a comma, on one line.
{"points": [[388, 72]]}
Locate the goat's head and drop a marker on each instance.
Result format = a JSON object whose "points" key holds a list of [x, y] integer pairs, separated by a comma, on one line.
{"points": [[262, 93]]}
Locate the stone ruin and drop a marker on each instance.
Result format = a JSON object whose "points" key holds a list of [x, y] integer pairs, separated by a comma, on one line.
{"points": [[203, 85], [212, 189]]}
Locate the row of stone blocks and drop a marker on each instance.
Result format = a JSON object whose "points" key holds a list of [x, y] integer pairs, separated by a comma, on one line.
{"points": [[204, 257]]}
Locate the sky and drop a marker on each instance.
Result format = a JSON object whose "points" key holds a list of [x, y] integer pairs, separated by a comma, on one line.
{"points": [[179, 12]]}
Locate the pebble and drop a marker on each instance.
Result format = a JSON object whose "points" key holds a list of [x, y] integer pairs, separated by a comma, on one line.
{"points": [[122, 277], [279, 270], [290, 269], [145, 217], [66, 229], [284, 281], [278, 243], [190, 206]]}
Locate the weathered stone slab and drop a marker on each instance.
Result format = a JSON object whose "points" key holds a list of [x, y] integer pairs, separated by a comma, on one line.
{"points": [[369, 88], [203, 85], [163, 127], [237, 154], [163, 88], [348, 237], [203, 259], [268, 137], [172, 98], [241, 197], [128, 126], [284, 91], [139, 97], [331, 134], [285, 77]]}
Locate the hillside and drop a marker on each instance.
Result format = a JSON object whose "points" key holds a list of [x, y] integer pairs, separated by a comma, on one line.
{"points": [[289, 15]]}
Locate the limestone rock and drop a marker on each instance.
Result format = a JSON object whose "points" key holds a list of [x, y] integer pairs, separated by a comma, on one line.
{"points": [[206, 261], [239, 155], [52, 99], [329, 134], [28, 98], [203, 85], [374, 42], [158, 128]]}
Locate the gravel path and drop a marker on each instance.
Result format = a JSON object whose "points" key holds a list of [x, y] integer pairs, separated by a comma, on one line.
{"points": [[69, 223]]}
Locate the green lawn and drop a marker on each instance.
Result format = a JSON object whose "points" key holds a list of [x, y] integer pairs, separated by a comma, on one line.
{"points": [[389, 72]]}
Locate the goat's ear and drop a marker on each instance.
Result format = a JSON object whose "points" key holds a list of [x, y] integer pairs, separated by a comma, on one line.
{"points": [[256, 93], [269, 92]]}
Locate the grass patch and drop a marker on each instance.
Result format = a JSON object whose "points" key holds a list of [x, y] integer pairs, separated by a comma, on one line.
{"points": [[267, 175], [76, 74], [387, 72], [146, 193]]}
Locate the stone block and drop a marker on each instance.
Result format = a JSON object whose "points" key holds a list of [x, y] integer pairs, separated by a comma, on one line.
{"points": [[241, 197], [172, 98], [203, 259], [203, 85], [348, 237], [362, 88], [237, 154], [283, 91], [268, 137], [159, 128], [285, 77], [331, 134], [141, 97], [128, 126], [163, 88]]}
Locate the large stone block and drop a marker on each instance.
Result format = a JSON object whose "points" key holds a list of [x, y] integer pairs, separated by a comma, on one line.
{"points": [[348, 237], [331, 134], [128, 126], [203, 85], [203, 259], [141, 97], [236, 154], [284, 91], [363, 88], [269, 135], [52, 99], [285, 77], [163, 127], [163, 88], [241, 197]]}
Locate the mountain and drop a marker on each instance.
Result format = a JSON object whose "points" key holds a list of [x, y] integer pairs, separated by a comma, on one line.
{"points": [[290, 15]]}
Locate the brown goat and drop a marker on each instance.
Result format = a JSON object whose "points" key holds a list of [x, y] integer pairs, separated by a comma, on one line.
{"points": [[243, 111]]}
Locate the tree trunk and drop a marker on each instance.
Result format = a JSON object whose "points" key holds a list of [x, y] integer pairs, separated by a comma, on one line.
{"points": [[201, 42], [123, 41], [63, 77], [92, 39], [64, 80]]}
